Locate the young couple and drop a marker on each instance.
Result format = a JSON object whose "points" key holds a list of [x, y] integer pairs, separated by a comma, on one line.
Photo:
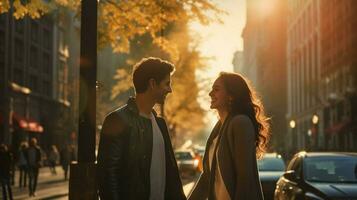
{"points": [[136, 160]]}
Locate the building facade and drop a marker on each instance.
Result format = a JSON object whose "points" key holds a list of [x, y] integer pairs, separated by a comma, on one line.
{"points": [[321, 71], [34, 81], [303, 60], [339, 73], [265, 61], [238, 63]]}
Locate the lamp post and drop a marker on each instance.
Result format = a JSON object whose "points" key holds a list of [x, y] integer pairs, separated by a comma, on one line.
{"points": [[315, 130], [292, 125], [82, 183]]}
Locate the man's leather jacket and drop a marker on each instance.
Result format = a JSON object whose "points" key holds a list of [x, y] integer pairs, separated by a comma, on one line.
{"points": [[124, 157]]}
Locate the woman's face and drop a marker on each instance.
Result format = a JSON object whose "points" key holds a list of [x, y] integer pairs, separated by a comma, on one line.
{"points": [[219, 96]]}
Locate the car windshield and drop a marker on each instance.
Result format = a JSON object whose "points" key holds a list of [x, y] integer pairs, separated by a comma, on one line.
{"points": [[331, 169], [271, 164], [183, 156]]}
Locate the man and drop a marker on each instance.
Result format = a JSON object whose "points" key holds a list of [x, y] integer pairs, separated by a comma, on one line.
{"points": [[135, 157], [5, 168], [33, 158]]}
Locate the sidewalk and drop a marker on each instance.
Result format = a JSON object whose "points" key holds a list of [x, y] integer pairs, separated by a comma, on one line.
{"points": [[49, 186], [55, 187]]}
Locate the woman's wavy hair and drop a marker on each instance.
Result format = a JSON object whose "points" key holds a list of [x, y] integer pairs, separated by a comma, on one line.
{"points": [[245, 101]]}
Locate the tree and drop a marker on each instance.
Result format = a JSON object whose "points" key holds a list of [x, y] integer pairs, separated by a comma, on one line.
{"points": [[148, 28], [182, 110], [122, 21]]}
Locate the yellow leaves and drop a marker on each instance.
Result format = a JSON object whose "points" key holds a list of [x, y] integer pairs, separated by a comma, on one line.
{"points": [[167, 46], [34, 8], [4, 6], [37, 8], [62, 2], [120, 21], [124, 83]]}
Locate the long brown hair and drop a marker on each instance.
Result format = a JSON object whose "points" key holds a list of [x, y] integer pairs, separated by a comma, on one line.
{"points": [[245, 101]]}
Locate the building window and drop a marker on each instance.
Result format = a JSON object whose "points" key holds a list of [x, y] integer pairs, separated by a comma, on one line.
{"points": [[34, 31], [2, 46], [340, 111], [19, 51], [34, 83], [19, 26], [46, 88], [2, 21], [47, 39], [18, 76], [46, 63], [34, 57], [61, 41]]}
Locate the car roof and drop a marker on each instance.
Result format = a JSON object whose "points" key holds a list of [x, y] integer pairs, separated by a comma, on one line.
{"points": [[272, 155], [183, 151], [326, 154]]}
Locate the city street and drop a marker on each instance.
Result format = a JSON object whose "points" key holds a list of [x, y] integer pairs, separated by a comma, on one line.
{"points": [[54, 187], [49, 186], [124, 89]]}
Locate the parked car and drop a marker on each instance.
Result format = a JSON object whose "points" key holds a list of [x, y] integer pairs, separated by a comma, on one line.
{"points": [[271, 167], [318, 176], [200, 150], [187, 162]]}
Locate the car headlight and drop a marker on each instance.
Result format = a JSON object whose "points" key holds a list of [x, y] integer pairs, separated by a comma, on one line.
{"points": [[311, 196], [195, 162]]}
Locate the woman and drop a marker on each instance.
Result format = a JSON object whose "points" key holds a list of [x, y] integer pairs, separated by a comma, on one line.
{"points": [[237, 140]]}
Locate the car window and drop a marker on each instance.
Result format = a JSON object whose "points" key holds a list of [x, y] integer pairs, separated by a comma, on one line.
{"points": [[183, 156], [331, 169], [271, 164]]}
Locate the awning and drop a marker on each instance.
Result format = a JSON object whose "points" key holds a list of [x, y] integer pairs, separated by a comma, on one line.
{"points": [[27, 124], [34, 126], [338, 127]]}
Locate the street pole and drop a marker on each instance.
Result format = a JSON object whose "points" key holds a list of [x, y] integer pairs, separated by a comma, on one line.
{"points": [[82, 177]]}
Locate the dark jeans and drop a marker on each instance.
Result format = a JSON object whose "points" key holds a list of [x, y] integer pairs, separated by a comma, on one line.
{"points": [[23, 176], [33, 176], [6, 188], [52, 166], [65, 169]]}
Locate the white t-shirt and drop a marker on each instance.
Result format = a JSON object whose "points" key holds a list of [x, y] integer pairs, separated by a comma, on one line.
{"points": [[158, 163]]}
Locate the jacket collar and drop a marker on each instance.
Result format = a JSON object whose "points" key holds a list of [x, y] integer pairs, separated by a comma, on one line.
{"points": [[134, 108]]}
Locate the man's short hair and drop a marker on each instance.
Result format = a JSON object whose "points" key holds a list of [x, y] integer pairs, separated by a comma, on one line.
{"points": [[150, 68]]}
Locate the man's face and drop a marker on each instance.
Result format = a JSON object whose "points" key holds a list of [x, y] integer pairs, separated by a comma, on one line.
{"points": [[161, 89]]}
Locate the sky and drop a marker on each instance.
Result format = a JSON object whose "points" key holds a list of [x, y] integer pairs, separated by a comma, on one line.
{"points": [[220, 41]]}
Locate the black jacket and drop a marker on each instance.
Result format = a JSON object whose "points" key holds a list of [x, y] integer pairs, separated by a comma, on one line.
{"points": [[124, 157], [38, 157], [5, 164], [236, 159]]}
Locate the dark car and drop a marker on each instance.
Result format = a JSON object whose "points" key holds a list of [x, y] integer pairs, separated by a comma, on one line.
{"points": [[187, 162], [318, 176], [271, 167]]}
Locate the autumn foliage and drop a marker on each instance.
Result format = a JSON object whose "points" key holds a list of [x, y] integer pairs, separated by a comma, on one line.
{"points": [[162, 25]]}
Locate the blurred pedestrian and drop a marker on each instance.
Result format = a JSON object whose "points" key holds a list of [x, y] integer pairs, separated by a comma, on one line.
{"points": [[65, 159], [12, 152], [239, 137], [33, 158], [22, 164], [5, 168], [53, 158]]}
